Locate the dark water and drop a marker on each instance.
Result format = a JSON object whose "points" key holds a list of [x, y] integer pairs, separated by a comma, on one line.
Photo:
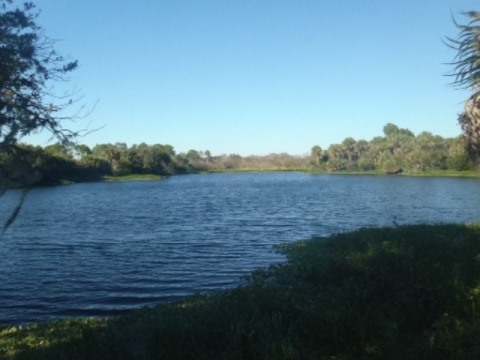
{"points": [[104, 248]]}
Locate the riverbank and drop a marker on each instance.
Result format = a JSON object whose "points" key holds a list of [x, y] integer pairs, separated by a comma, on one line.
{"points": [[133, 177], [427, 173], [432, 173], [145, 177], [398, 293]]}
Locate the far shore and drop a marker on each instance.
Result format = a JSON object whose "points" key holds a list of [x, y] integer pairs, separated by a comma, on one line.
{"points": [[429, 173], [149, 177]]}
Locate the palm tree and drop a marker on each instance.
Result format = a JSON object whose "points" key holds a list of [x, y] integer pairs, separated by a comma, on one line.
{"points": [[467, 76], [317, 154]]}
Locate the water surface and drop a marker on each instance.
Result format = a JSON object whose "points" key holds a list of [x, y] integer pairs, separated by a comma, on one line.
{"points": [[103, 248]]}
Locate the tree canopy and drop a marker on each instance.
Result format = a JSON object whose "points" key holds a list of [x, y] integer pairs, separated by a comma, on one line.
{"points": [[28, 65], [397, 151]]}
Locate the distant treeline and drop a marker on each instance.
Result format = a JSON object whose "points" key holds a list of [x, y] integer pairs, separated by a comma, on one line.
{"points": [[57, 163], [398, 149]]}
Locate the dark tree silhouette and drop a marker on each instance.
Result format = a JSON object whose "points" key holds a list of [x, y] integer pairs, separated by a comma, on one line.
{"points": [[29, 66]]}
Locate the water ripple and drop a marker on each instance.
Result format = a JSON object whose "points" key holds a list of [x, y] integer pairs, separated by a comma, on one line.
{"points": [[104, 248]]}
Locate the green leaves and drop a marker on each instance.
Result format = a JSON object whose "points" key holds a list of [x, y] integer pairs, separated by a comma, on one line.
{"points": [[28, 63]]}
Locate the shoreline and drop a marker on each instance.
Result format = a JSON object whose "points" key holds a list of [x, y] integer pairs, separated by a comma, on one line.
{"points": [[472, 174], [369, 293]]}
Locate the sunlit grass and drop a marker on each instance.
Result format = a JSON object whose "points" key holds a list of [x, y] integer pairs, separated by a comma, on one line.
{"points": [[446, 173], [35, 340], [133, 177], [423, 173], [409, 292]]}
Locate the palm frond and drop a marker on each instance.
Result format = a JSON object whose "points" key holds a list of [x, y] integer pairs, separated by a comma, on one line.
{"points": [[466, 64]]}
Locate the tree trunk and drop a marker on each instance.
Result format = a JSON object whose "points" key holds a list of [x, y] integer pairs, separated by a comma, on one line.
{"points": [[470, 123]]}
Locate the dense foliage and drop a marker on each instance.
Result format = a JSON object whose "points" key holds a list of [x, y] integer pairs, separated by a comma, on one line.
{"points": [[59, 163], [28, 67], [398, 150], [410, 292]]}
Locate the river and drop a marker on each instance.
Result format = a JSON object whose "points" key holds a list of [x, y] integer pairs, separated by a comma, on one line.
{"points": [[94, 249]]}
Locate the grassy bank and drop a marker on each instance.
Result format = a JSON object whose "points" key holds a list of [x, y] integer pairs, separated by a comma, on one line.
{"points": [[409, 292], [426, 173], [446, 173], [429, 173], [132, 177]]}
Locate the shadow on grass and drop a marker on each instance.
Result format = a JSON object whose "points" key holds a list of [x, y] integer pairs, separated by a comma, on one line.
{"points": [[410, 292]]}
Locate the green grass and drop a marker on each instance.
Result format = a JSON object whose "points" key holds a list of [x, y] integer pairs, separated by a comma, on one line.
{"points": [[446, 173], [426, 173], [133, 177], [409, 292], [260, 170]]}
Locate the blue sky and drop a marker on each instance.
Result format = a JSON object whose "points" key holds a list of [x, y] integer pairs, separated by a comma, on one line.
{"points": [[257, 76]]}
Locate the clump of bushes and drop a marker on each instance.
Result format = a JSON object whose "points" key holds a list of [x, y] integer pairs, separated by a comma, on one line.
{"points": [[409, 292]]}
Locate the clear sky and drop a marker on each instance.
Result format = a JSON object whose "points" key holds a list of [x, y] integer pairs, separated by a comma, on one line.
{"points": [[258, 76]]}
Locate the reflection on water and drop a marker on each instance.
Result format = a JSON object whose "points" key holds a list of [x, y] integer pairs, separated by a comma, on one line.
{"points": [[103, 248]]}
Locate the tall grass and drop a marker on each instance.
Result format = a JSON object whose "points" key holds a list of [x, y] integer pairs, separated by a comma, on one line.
{"points": [[410, 292]]}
